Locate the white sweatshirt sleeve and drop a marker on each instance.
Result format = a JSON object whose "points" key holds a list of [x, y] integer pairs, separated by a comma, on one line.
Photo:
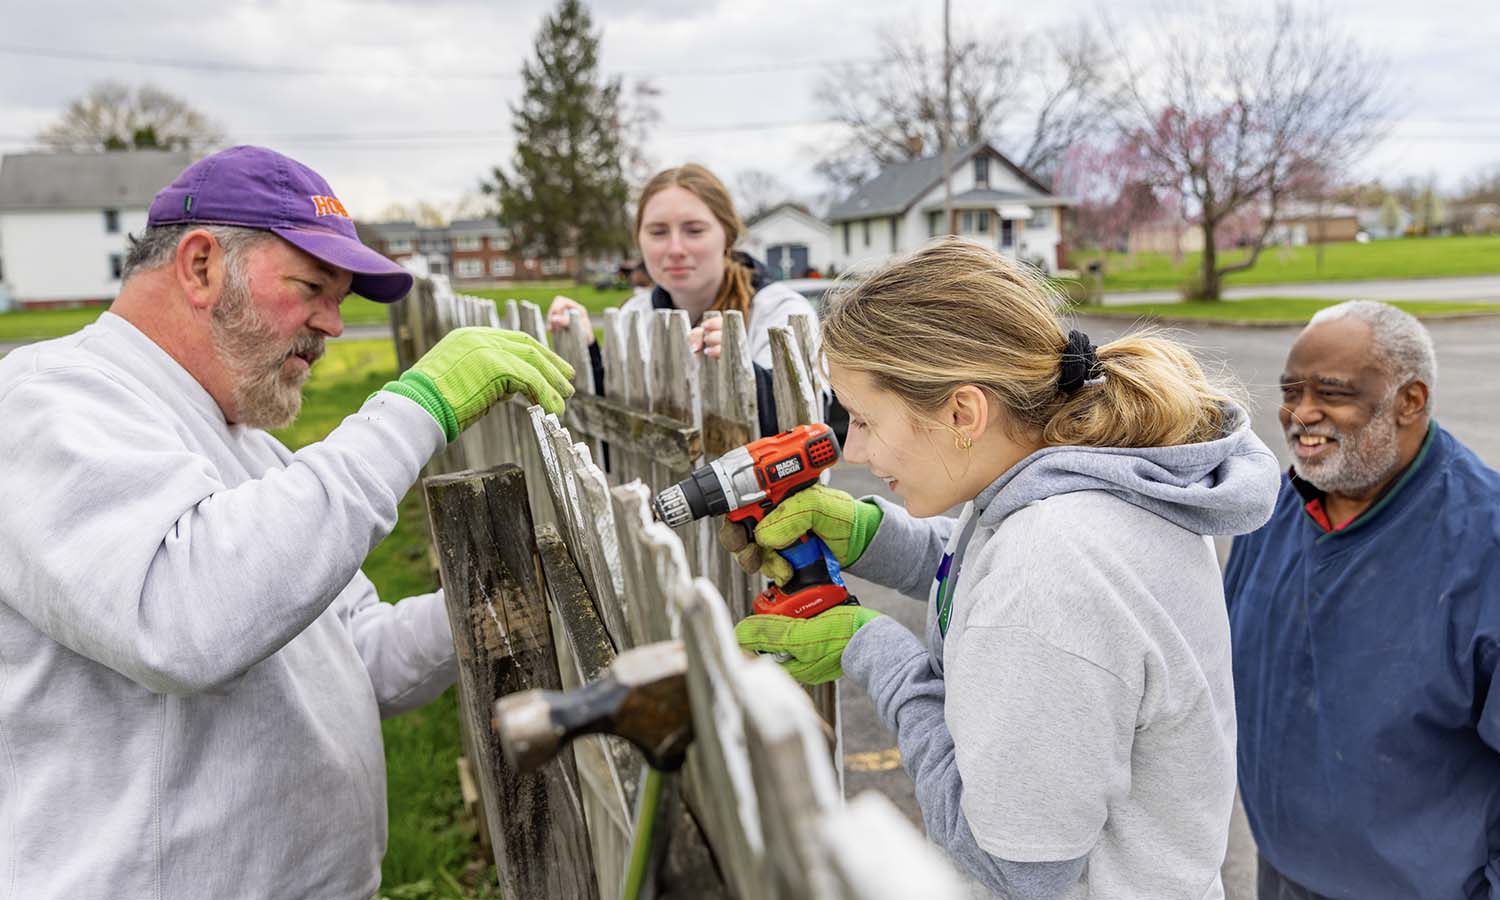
{"points": [[124, 545], [407, 646]]}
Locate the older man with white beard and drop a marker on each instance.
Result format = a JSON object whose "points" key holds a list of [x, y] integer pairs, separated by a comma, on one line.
{"points": [[1366, 626], [192, 667]]}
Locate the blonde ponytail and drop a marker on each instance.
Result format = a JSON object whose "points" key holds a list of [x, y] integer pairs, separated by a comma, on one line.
{"points": [[956, 313]]}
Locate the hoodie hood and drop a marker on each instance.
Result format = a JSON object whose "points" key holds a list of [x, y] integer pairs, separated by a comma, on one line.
{"points": [[1225, 486]]}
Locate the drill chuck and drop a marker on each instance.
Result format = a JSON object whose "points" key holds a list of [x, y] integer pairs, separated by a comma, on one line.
{"points": [[672, 506], [700, 494], [718, 488]]}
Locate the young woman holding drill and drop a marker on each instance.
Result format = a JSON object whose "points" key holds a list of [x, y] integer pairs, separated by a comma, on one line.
{"points": [[686, 227], [1069, 719]]}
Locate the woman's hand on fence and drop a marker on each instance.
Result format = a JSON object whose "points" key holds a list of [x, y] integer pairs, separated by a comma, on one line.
{"points": [[471, 369], [708, 336], [845, 524], [813, 648], [557, 315]]}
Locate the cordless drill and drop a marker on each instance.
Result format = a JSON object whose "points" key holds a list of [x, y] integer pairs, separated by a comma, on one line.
{"points": [[747, 483]]}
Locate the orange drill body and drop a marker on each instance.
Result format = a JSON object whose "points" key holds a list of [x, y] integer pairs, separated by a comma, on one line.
{"points": [[785, 464], [744, 485]]}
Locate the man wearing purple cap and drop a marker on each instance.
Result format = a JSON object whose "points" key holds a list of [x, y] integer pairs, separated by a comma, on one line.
{"points": [[192, 667]]}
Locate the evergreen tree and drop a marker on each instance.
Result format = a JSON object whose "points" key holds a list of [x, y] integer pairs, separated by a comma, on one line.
{"points": [[567, 189]]}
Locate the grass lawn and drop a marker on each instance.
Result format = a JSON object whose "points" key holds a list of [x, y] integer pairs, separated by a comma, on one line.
{"points": [[1401, 258], [32, 324], [1267, 309], [432, 853], [593, 300], [29, 324]]}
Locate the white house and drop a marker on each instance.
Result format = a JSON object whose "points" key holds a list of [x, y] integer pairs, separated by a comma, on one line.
{"points": [[64, 218], [995, 203], [789, 240]]}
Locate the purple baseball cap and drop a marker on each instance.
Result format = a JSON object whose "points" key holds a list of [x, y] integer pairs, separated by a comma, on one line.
{"points": [[253, 187]]}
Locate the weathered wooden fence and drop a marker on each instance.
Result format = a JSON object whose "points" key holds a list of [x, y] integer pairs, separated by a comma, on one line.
{"points": [[551, 566]]}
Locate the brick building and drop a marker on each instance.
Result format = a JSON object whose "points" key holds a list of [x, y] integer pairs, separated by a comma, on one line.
{"points": [[468, 251]]}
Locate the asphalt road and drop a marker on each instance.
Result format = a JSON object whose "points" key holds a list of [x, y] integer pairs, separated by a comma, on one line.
{"points": [[1465, 403]]}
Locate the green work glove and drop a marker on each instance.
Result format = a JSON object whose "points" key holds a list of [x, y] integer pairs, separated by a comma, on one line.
{"points": [[471, 369], [816, 645], [846, 525]]}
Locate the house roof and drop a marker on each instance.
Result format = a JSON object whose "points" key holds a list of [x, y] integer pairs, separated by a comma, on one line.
{"points": [[58, 181], [1304, 209], [795, 209], [389, 231], [476, 226], [898, 186]]}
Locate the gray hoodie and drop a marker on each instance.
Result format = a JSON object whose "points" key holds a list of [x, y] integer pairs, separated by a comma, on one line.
{"points": [[1070, 722]]}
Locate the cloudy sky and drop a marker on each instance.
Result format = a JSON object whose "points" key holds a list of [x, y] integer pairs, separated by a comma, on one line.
{"points": [[406, 101]]}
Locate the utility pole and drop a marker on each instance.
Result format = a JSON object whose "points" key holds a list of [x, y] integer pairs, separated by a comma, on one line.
{"points": [[947, 125]]}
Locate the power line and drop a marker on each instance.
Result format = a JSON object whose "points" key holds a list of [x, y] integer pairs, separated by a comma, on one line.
{"points": [[232, 67], [464, 138]]}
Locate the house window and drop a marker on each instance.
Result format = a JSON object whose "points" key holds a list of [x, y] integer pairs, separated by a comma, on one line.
{"points": [[116, 266], [112, 222], [468, 268], [864, 228], [893, 234], [966, 221], [846, 238], [502, 268], [553, 267], [468, 242], [983, 221], [1040, 219], [932, 223], [1007, 233], [982, 171], [500, 242], [400, 245]]}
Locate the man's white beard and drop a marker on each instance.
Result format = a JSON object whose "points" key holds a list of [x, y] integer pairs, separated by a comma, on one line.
{"points": [[263, 396], [1360, 461]]}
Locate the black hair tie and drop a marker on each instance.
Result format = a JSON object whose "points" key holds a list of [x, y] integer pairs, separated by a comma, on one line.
{"points": [[1080, 363]]}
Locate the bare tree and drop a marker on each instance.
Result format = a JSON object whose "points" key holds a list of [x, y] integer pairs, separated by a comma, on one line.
{"points": [[112, 116], [1066, 93], [1483, 186], [894, 108], [1033, 96], [639, 116], [756, 191], [1239, 112]]}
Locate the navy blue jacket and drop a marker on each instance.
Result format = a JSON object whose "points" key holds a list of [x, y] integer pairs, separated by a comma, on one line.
{"points": [[1364, 661]]}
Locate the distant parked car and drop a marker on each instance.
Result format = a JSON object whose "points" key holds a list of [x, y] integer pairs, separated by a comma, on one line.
{"points": [[813, 289]]}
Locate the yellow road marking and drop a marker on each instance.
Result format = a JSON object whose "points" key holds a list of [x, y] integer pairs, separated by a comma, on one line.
{"points": [[873, 760]]}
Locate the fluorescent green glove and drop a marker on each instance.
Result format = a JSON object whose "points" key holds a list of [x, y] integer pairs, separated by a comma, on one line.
{"points": [[472, 368], [846, 525], [816, 645]]}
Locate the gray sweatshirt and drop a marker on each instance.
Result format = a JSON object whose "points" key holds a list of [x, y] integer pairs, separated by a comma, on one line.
{"points": [[1069, 722], [192, 667]]}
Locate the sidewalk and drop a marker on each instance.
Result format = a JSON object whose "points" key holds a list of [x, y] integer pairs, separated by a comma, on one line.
{"points": [[1471, 289]]}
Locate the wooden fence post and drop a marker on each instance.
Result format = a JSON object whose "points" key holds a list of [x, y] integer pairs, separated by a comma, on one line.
{"points": [[608, 767], [501, 631], [730, 420], [799, 402]]}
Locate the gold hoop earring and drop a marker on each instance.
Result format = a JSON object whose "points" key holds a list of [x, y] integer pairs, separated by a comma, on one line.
{"points": [[962, 441]]}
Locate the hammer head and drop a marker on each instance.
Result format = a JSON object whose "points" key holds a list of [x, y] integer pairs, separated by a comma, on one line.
{"points": [[641, 697]]}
